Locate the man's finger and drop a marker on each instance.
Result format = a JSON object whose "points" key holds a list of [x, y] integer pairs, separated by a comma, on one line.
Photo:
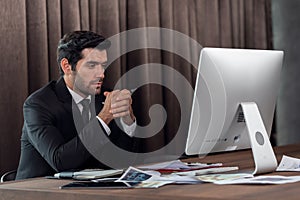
{"points": [[120, 109], [122, 114], [106, 93]]}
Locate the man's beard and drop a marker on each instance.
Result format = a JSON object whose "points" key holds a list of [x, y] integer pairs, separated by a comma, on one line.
{"points": [[83, 89]]}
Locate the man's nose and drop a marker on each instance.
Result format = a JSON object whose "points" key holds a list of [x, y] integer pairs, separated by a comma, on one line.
{"points": [[100, 71]]}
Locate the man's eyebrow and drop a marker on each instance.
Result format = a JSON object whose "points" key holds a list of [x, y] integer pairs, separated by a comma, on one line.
{"points": [[93, 62], [97, 63]]}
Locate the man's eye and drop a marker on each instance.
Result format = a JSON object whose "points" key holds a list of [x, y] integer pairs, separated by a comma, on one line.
{"points": [[91, 65]]}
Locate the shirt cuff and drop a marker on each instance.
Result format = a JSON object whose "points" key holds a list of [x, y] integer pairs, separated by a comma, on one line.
{"points": [[106, 128], [128, 129]]}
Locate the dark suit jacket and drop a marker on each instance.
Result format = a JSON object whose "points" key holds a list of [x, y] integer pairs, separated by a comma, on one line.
{"points": [[50, 141]]}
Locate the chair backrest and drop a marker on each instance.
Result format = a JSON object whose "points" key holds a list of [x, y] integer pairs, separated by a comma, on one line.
{"points": [[9, 176]]}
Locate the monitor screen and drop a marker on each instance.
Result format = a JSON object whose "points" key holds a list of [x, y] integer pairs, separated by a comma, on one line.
{"points": [[226, 78]]}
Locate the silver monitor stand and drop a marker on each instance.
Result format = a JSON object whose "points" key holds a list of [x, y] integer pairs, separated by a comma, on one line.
{"points": [[263, 155]]}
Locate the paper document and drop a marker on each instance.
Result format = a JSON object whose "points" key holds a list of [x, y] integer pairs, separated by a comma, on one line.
{"points": [[142, 179], [177, 165], [212, 178], [207, 171], [261, 180], [289, 164], [150, 179], [177, 179], [134, 175]]}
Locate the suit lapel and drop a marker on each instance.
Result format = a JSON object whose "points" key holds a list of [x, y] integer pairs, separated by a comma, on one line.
{"points": [[69, 105]]}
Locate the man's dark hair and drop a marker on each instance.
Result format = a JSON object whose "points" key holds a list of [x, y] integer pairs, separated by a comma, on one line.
{"points": [[72, 44]]}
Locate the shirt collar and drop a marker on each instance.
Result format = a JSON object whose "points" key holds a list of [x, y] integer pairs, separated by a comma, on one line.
{"points": [[76, 97]]}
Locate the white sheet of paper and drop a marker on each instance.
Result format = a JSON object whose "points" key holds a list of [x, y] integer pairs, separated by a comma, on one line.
{"points": [[207, 171], [289, 164], [211, 178], [177, 179], [261, 180], [177, 165], [152, 184]]}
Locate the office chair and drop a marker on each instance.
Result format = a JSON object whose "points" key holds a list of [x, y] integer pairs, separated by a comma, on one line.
{"points": [[9, 176]]}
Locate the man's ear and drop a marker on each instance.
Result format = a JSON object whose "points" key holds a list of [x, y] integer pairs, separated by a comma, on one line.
{"points": [[65, 66]]}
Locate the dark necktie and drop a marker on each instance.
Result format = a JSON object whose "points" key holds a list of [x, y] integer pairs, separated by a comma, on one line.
{"points": [[85, 111]]}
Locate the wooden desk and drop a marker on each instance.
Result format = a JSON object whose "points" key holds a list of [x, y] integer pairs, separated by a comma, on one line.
{"points": [[45, 189]]}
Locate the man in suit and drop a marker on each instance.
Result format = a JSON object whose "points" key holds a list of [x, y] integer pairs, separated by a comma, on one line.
{"points": [[57, 121]]}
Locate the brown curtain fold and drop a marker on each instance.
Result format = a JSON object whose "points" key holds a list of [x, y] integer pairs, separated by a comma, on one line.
{"points": [[54, 29], [14, 80], [30, 30], [37, 44]]}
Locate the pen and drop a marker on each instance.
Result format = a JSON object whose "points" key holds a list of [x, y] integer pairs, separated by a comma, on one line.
{"points": [[64, 175]]}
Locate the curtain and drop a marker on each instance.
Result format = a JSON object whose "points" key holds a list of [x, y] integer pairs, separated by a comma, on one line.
{"points": [[30, 30]]}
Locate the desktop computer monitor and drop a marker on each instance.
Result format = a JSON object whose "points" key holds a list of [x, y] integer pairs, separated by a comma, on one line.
{"points": [[232, 83]]}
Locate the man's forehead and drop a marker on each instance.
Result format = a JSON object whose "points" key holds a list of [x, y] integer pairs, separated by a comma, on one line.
{"points": [[94, 53]]}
